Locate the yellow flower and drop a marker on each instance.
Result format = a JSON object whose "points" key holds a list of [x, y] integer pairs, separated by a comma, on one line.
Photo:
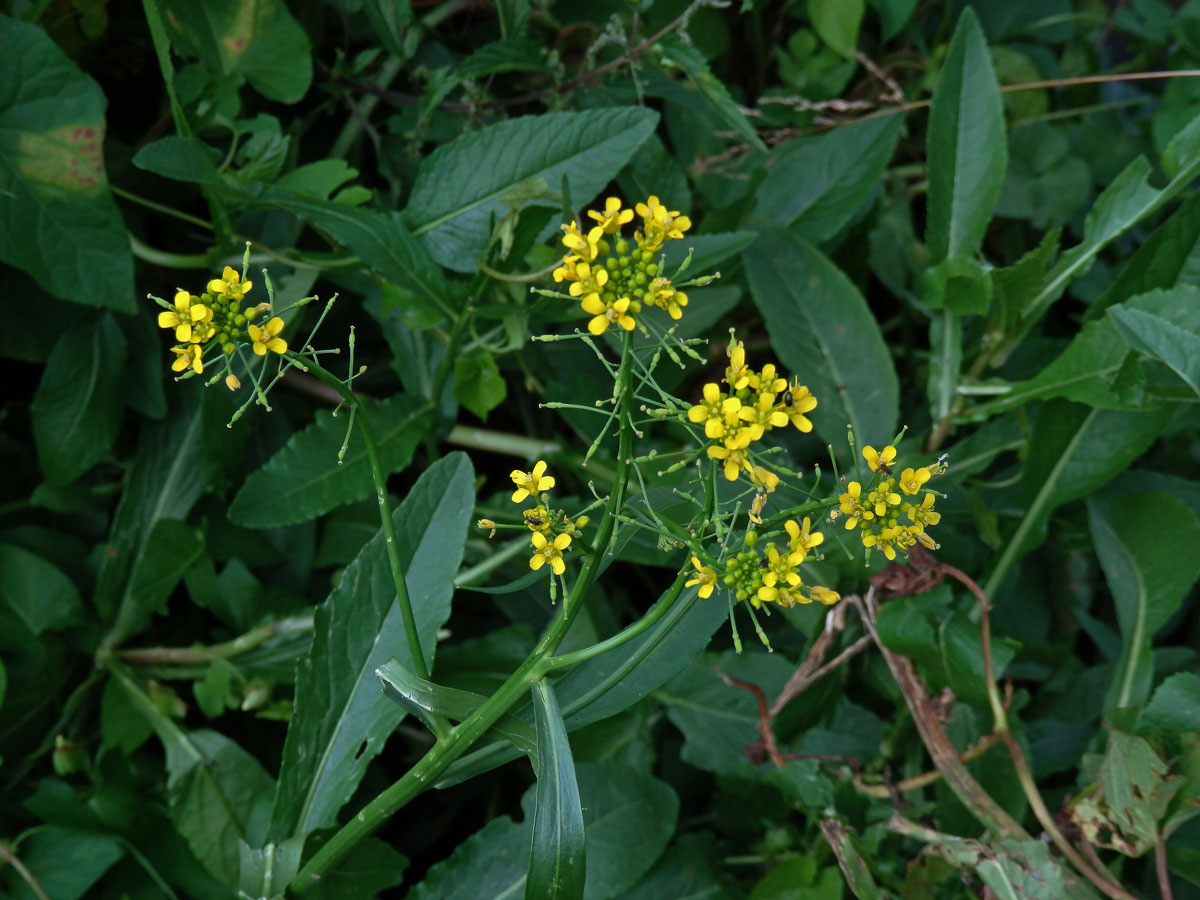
{"points": [[801, 402], [764, 477], [232, 382], [586, 247], [588, 280], [613, 216], [924, 514], [802, 538], [230, 285], [530, 482], [768, 382], [735, 460], [716, 411], [569, 270], [546, 552], [824, 595], [882, 541], [660, 223], [883, 458], [264, 339], [737, 376], [190, 355], [782, 567], [763, 413], [605, 314], [183, 315], [537, 519], [852, 506], [911, 480], [705, 577], [883, 496], [660, 293]]}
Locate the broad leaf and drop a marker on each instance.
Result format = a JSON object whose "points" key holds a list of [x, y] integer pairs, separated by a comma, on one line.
{"points": [[369, 869], [305, 478], [716, 96], [1014, 869], [837, 22], [1144, 543], [966, 145], [179, 158], [464, 185], [962, 657], [258, 39], [816, 184], [1166, 326], [38, 592], [628, 819], [558, 854], [686, 870], [379, 239], [65, 862], [77, 408], [170, 550], [822, 330], [58, 220], [1175, 706], [342, 718]]}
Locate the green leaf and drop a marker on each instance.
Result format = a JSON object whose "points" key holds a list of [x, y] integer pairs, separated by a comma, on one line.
{"points": [[1134, 794], [816, 184], [557, 856], [389, 21], [686, 870], [1074, 452], [369, 869], [706, 251], [380, 239], [711, 89], [305, 478], [77, 408], [259, 40], [628, 819], [1144, 545], [342, 718], [170, 550], [58, 221], [465, 184], [1128, 200], [966, 145], [853, 866], [962, 656], [179, 158], [1169, 256], [478, 384], [1175, 705], [421, 698], [837, 22], [1013, 869], [822, 329], [1165, 325], [65, 862], [39, 593], [959, 285], [509, 55]]}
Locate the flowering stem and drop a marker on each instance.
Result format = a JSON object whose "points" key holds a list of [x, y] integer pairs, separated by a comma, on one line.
{"points": [[460, 737], [385, 513]]}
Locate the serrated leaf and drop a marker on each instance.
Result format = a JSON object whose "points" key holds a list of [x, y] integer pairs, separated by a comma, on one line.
{"points": [[1175, 705], [816, 184], [304, 479], [966, 144], [1165, 325], [558, 852], [1144, 545], [77, 408], [342, 718], [380, 239], [464, 184], [389, 20], [58, 221], [716, 97], [258, 39], [509, 55], [37, 591], [179, 158], [822, 330], [628, 819]]}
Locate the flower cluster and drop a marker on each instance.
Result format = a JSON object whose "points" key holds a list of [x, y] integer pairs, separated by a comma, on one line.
{"points": [[552, 529], [887, 520], [217, 319], [770, 575], [613, 280], [752, 404]]}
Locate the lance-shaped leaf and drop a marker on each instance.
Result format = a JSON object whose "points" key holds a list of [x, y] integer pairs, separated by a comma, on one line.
{"points": [[822, 330], [58, 220], [1145, 543], [714, 93], [305, 479], [966, 147], [342, 717], [557, 853], [467, 183]]}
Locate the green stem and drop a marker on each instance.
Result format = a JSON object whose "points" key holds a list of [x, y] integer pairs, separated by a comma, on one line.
{"points": [[500, 557], [361, 112], [500, 442], [167, 260], [453, 745], [159, 207], [447, 363], [229, 649], [420, 668], [162, 52]]}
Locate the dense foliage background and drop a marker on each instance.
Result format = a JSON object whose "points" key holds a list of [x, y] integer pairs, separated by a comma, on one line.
{"points": [[191, 614]]}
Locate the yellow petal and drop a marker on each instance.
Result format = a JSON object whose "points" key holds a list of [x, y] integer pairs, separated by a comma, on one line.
{"points": [[277, 345]]}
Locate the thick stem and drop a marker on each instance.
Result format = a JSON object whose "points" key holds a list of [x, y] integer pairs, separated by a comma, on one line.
{"points": [[459, 738], [1160, 867], [198, 655]]}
